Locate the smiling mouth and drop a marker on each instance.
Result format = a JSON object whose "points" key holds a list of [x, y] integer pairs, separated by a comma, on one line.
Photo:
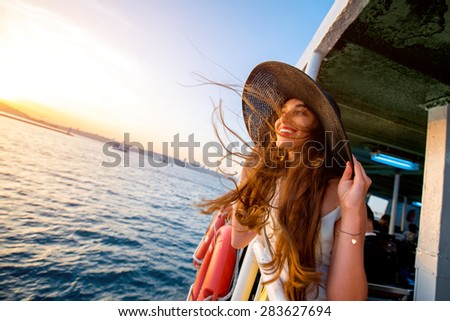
{"points": [[286, 131]]}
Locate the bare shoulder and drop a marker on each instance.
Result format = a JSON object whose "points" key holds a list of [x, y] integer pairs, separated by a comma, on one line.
{"points": [[333, 183], [331, 199]]}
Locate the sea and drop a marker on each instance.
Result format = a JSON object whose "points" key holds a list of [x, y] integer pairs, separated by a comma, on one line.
{"points": [[72, 229]]}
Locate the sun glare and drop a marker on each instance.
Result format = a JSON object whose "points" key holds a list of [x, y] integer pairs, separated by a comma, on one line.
{"points": [[46, 59]]}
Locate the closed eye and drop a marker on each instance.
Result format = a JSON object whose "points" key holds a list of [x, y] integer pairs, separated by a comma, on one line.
{"points": [[300, 111]]}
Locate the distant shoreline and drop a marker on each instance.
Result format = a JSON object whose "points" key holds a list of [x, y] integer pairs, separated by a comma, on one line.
{"points": [[34, 123], [68, 131]]}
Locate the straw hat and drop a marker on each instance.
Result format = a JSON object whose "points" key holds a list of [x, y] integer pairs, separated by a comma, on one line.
{"points": [[271, 84]]}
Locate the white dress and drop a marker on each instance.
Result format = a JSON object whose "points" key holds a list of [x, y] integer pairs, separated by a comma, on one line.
{"points": [[323, 257]]}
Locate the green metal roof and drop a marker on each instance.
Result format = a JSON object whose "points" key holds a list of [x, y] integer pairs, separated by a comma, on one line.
{"points": [[388, 67]]}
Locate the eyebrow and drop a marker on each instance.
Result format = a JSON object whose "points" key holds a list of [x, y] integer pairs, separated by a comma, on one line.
{"points": [[298, 106], [302, 105]]}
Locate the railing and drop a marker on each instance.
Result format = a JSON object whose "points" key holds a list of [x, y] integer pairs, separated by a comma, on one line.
{"points": [[378, 292]]}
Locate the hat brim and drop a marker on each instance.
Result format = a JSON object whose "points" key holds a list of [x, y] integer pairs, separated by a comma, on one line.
{"points": [[271, 84]]}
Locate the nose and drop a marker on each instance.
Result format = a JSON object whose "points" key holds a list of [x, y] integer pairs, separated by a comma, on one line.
{"points": [[285, 116]]}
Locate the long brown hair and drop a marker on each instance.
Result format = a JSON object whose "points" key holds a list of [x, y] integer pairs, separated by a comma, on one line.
{"points": [[302, 182]]}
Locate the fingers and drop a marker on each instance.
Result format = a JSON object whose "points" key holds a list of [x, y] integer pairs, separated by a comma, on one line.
{"points": [[347, 175], [360, 174], [357, 166]]}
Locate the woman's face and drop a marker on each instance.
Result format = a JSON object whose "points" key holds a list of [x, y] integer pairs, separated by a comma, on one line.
{"points": [[295, 124]]}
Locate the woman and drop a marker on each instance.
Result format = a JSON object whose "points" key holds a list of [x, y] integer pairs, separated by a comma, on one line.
{"points": [[301, 191]]}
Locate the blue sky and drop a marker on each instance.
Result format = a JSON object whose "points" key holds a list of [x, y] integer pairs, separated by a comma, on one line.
{"points": [[116, 66]]}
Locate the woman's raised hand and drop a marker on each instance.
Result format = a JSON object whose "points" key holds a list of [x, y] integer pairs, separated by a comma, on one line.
{"points": [[352, 192]]}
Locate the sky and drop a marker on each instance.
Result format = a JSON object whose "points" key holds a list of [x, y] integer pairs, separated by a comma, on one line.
{"points": [[135, 66]]}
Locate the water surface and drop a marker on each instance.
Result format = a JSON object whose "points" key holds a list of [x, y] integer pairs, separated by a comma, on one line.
{"points": [[71, 229]]}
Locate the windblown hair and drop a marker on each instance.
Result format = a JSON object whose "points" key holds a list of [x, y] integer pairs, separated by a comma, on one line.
{"points": [[301, 183]]}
